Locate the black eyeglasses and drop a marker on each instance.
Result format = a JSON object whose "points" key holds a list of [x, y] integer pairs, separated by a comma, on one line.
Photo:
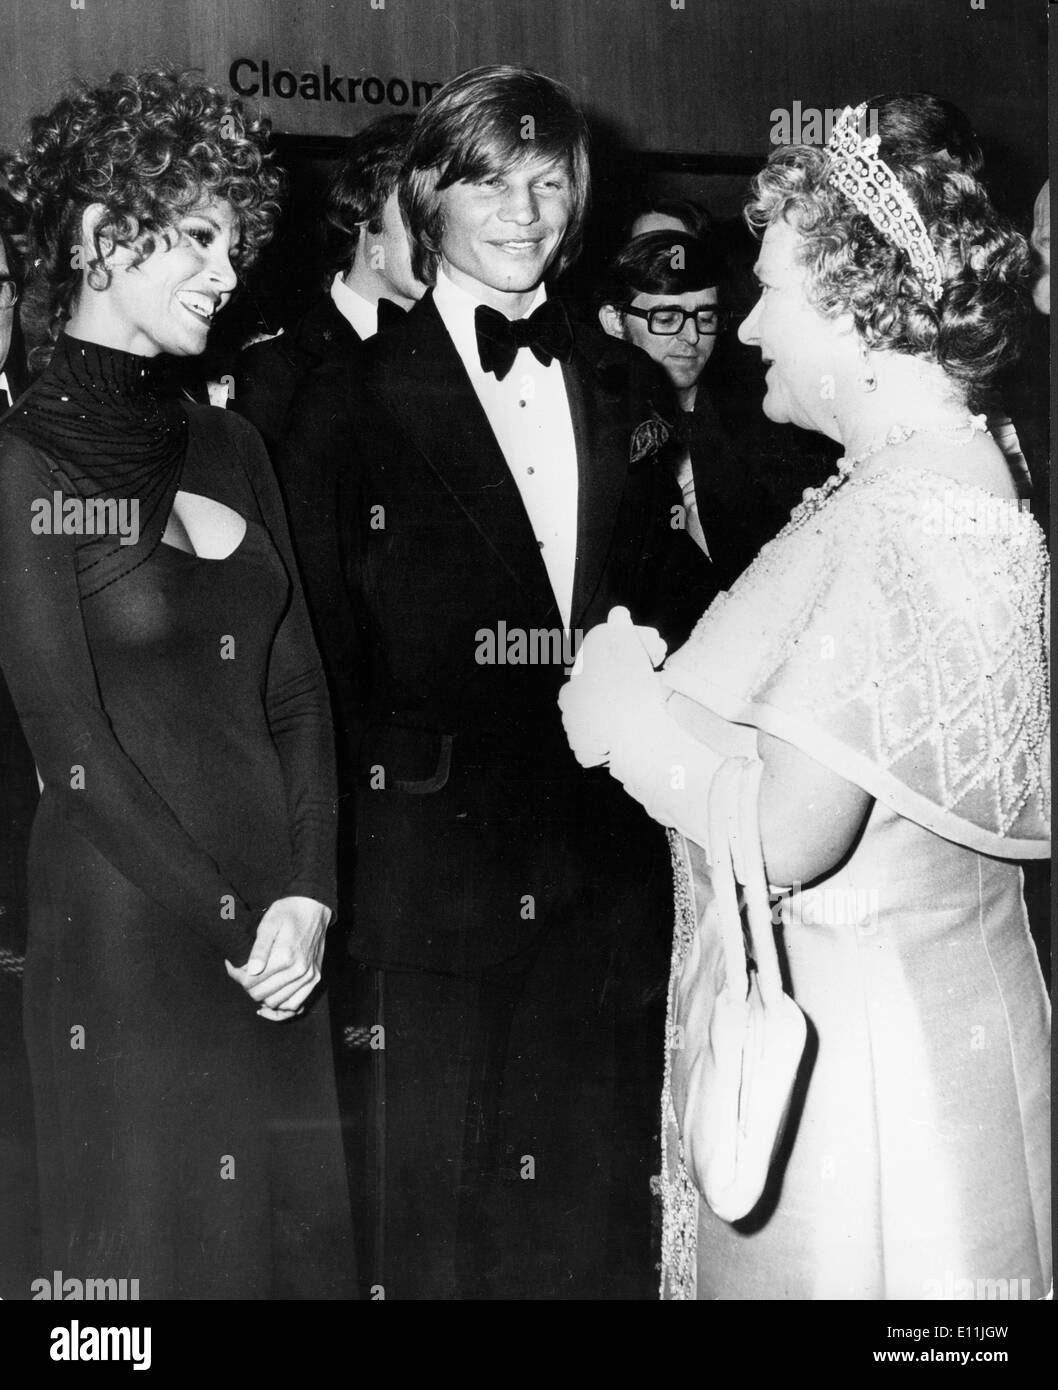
{"points": [[9, 291], [668, 320]]}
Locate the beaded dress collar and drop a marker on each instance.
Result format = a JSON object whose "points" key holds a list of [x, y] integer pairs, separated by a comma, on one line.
{"points": [[113, 431]]}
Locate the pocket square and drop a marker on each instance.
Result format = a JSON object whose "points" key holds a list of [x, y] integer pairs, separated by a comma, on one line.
{"points": [[648, 437]]}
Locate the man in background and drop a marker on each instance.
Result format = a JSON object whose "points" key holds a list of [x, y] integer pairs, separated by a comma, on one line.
{"points": [[1041, 244], [368, 260], [12, 357]]}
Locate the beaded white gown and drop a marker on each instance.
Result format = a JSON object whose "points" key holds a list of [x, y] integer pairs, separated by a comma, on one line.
{"points": [[895, 631]]}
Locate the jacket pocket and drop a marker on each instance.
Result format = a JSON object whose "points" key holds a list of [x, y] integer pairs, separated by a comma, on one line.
{"points": [[404, 759]]}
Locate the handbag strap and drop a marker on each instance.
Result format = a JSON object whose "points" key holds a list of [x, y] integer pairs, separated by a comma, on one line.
{"points": [[723, 810], [734, 836], [755, 885]]}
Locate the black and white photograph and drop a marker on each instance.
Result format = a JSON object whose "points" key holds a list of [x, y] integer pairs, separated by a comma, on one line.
{"points": [[524, 665]]}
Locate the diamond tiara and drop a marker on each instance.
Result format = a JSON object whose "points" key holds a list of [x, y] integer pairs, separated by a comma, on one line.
{"points": [[873, 189]]}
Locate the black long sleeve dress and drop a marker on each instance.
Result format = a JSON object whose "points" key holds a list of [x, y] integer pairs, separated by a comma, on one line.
{"points": [[179, 721]]}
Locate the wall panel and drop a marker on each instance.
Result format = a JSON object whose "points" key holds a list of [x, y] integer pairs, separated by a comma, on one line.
{"points": [[703, 78]]}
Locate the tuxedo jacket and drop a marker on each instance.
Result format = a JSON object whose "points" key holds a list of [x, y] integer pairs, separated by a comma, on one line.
{"points": [[749, 473], [742, 503], [475, 827], [268, 374]]}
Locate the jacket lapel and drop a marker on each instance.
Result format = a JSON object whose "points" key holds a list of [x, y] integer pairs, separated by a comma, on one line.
{"points": [[325, 332], [418, 375], [600, 427]]}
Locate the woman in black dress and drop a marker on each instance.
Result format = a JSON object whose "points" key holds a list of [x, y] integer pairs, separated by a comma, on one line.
{"points": [[156, 643]]}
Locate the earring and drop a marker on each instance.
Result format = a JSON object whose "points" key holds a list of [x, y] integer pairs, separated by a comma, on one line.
{"points": [[866, 379], [98, 277]]}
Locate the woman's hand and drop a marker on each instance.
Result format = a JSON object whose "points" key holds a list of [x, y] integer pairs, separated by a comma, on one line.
{"points": [[284, 965], [613, 685]]}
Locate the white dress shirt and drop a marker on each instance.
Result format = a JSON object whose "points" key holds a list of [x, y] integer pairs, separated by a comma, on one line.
{"points": [[685, 480], [354, 308], [7, 396], [530, 417]]}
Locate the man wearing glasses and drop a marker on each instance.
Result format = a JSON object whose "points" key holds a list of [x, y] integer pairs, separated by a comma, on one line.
{"points": [[662, 293], [662, 296]]}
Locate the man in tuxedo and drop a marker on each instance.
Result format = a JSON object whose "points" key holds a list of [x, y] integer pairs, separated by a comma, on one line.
{"points": [[478, 487], [368, 259]]}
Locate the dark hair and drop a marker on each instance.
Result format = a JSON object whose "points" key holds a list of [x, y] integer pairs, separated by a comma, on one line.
{"points": [[477, 126], [918, 126], [12, 229], [12, 221], [694, 216], [660, 263], [977, 325], [147, 146], [364, 180]]}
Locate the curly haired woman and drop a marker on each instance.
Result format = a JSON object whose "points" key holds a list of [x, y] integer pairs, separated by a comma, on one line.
{"points": [[155, 640], [864, 717]]}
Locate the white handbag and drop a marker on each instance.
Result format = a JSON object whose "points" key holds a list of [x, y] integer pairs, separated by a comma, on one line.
{"points": [[738, 1038]]}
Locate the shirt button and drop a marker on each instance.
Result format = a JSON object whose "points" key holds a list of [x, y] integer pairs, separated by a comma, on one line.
{"points": [[530, 470]]}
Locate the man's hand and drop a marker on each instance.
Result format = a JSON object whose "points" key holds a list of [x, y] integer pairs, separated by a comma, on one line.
{"points": [[284, 965]]}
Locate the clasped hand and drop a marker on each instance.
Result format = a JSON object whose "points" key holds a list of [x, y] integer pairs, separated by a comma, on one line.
{"points": [[612, 687], [284, 965]]}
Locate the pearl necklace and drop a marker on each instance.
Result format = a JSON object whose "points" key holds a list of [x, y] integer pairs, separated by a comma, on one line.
{"points": [[813, 497]]}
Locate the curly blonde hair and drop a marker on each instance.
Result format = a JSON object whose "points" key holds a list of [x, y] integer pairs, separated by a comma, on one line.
{"points": [[148, 146], [978, 324]]}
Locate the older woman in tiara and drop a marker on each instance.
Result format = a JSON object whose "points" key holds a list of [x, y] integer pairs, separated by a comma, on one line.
{"points": [[859, 728]]}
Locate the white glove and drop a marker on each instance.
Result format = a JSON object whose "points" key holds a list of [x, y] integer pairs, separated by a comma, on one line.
{"points": [[613, 682], [614, 713]]}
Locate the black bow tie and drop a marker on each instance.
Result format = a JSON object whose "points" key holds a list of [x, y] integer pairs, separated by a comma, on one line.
{"points": [[389, 314], [546, 333]]}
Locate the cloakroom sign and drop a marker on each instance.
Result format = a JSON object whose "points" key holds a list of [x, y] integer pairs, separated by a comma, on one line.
{"points": [[261, 77]]}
